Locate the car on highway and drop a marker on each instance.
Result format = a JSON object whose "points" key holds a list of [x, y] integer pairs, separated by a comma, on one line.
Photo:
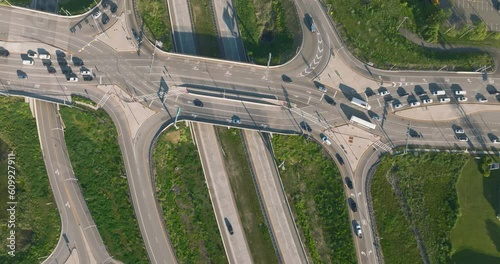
{"points": [[348, 182], [462, 99], [228, 225], [482, 100], [321, 87], [384, 93], [105, 19], [325, 140], [463, 138], [427, 101], [96, 14], [352, 204], [136, 36], [414, 104], [444, 100], [305, 126], [236, 120], [87, 78], [46, 62], [113, 7], [4, 52], [32, 54], [459, 130], [198, 102], [357, 229], [339, 159], [398, 105]]}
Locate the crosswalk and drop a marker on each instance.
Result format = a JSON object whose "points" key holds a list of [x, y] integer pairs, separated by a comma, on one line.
{"points": [[382, 145]]}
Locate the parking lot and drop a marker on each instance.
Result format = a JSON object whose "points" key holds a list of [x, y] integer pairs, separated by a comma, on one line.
{"points": [[473, 11]]}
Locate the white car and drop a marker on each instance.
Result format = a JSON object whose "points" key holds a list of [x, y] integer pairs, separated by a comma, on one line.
{"points": [[482, 100], [459, 131], [73, 79], [462, 99], [496, 141], [326, 140], [460, 92], [383, 93], [84, 71], [444, 100], [322, 88], [398, 105], [359, 233], [463, 138], [44, 56], [427, 101], [96, 14], [32, 54], [413, 104]]}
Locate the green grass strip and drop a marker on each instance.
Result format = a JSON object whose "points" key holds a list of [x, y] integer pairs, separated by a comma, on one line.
{"points": [[204, 28], [96, 158], [183, 195], [156, 19], [476, 235], [428, 185], [268, 26], [315, 191], [37, 218], [245, 195]]}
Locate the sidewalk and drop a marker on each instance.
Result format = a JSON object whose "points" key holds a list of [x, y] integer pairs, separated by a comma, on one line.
{"points": [[444, 112]]}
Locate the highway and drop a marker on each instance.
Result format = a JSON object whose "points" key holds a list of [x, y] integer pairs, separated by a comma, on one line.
{"points": [[278, 210], [80, 241], [209, 78], [222, 198]]}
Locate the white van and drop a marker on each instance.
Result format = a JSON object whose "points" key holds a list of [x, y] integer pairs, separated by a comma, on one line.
{"points": [[28, 62], [44, 56], [438, 92]]}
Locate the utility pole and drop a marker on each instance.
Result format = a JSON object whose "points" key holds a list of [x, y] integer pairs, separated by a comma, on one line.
{"points": [[157, 43], [177, 116], [268, 63], [407, 137]]}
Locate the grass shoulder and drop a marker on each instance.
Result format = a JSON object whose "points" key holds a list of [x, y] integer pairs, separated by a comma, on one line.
{"points": [[245, 195], [314, 188], [93, 149], [156, 19], [204, 28], [421, 197], [184, 198], [370, 29], [476, 235], [37, 221], [268, 27]]}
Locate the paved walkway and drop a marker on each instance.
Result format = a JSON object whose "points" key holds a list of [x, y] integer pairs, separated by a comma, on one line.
{"points": [[444, 112]]}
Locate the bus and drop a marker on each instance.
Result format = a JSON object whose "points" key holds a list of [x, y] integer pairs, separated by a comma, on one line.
{"points": [[360, 103], [363, 123]]}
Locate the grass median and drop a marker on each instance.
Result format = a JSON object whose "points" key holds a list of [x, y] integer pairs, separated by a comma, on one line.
{"points": [[75, 7], [93, 149], [204, 28], [183, 195], [476, 235], [370, 29], [156, 19], [37, 221], [268, 26], [418, 192], [315, 191], [245, 195]]}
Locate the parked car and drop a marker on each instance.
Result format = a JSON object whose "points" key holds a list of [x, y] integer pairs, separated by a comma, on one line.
{"points": [[105, 19], [459, 130], [236, 120], [32, 54], [96, 14], [463, 138], [482, 100], [73, 79], [384, 93], [444, 100], [460, 92], [462, 99], [413, 104], [4, 52], [427, 101], [85, 71], [322, 88], [87, 78], [113, 7], [398, 105]]}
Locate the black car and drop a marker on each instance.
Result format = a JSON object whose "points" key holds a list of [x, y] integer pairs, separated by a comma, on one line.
{"points": [[88, 78], [229, 226], [51, 69], [113, 8], [4, 52], [66, 70], [286, 79], [305, 126], [105, 19], [136, 36], [46, 62], [352, 205], [348, 182], [77, 62], [198, 102], [62, 62], [339, 158], [105, 3]]}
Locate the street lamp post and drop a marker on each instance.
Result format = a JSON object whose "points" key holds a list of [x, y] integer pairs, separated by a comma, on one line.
{"points": [[157, 43]]}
